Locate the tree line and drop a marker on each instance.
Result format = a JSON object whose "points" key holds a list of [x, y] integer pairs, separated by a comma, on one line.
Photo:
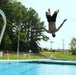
{"points": [[23, 25]]}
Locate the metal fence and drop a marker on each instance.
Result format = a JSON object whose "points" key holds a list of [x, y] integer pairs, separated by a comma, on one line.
{"points": [[20, 56]]}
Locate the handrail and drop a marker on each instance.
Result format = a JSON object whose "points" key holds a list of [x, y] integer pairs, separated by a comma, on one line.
{"points": [[4, 24]]}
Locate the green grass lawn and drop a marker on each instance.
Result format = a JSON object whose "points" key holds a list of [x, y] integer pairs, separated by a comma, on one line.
{"points": [[64, 56], [41, 55]]}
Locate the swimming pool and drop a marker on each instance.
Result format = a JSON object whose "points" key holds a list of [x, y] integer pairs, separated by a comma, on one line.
{"points": [[37, 67]]}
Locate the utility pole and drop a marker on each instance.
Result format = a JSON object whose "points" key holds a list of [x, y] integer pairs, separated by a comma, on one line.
{"points": [[63, 45], [51, 45]]}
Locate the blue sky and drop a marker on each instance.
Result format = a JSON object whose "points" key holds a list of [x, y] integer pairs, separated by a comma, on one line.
{"points": [[67, 10]]}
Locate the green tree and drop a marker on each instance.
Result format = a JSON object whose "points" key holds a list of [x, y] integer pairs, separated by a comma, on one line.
{"points": [[30, 26], [5, 6], [13, 12], [73, 46], [34, 30]]}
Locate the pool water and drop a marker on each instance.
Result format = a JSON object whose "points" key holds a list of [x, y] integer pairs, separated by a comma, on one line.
{"points": [[17, 68]]}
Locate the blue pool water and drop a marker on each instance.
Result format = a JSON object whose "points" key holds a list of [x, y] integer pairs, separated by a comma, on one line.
{"points": [[26, 68]]}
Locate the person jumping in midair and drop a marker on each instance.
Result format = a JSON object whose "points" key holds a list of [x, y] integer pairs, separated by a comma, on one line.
{"points": [[52, 22]]}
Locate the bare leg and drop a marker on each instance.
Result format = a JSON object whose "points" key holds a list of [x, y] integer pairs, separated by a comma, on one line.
{"points": [[54, 16], [62, 24], [49, 11]]}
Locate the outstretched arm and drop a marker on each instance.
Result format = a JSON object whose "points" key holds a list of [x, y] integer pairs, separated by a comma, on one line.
{"points": [[62, 24], [45, 29]]}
